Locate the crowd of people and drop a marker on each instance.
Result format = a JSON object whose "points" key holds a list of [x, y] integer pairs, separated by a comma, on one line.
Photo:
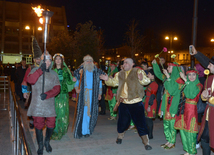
{"points": [[136, 95]]}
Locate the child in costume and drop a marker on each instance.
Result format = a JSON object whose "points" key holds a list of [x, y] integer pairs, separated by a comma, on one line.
{"points": [[170, 100], [150, 103], [187, 116], [111, 92]]}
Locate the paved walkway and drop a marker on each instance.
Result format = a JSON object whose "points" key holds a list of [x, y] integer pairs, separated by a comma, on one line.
{"points": [[102, 141]]}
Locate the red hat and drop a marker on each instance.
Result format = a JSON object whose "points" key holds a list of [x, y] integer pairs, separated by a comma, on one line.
{"points": [[173, 64], [192, 71]]}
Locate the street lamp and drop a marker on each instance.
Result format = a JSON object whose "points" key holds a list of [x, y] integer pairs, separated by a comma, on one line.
{"points": [[27, 27], [170, 38], [212, 40]]}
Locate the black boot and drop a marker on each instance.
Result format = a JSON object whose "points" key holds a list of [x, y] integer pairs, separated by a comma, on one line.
{"points": [[39, 137], [149, 123], [49, 132]]}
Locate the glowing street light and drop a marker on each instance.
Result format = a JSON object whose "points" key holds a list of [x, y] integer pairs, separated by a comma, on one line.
{"points": [[136, 54], [212, 40], [175, 38], [167, 38], [39, 28], [27, 27], [38, 10], [118, 56]]}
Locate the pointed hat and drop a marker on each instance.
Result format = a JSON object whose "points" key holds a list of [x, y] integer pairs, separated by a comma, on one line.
{"points": [[37, 52]]}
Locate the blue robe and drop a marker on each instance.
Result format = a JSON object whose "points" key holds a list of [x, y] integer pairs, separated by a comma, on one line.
{"points": [[88, 81]]}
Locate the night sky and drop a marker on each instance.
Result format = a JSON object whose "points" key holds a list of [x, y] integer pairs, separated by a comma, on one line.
{"points": [[160, 16]]}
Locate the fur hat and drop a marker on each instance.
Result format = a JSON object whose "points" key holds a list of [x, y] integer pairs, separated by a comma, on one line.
{"points": [[35, 48], [87, 57]]}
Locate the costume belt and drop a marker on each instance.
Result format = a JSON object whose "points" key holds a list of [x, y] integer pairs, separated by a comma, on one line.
{"points": [[87, 100]]}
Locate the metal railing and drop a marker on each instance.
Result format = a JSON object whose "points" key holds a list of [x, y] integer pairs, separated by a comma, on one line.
{"points": [[4, 87], [20, 145]]}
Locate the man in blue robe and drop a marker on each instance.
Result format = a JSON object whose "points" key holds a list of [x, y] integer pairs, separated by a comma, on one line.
{"points": [[89, 93]]}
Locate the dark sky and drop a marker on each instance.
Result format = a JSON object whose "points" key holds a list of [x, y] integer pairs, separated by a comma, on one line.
{"points": [[160, 16]]}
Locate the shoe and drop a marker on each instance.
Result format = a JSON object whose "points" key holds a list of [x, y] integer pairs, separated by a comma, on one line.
{"points": [[135, 131], [49, 132], [31, 125], [86, 136], [131, 127], [39, 137], [119, 141], [150, 137], [163, 145], [148, 147], [112, 118], [168, 148], [197, 146]]}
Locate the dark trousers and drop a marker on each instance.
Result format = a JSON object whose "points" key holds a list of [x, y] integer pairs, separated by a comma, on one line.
{"points": [[103, 104], [205, 140], [149, 123], [136, 113]]}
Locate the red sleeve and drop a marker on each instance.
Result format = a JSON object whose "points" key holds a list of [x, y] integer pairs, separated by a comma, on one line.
{"points": [[24, 82], [53, 92], [32, 78]]}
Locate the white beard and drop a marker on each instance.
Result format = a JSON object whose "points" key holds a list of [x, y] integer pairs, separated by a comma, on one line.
{"points": [[89, 67]]}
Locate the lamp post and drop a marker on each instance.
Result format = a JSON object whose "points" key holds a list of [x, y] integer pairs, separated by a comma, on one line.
{"points": [[171, 38]]}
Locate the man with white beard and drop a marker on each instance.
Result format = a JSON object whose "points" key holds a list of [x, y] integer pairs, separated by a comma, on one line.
{"points": [[89, 93]]}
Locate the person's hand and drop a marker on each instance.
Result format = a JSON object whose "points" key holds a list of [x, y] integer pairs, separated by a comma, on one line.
{"points": [[166, 73], [43, 96], [99, 97], [74, 79], [182, 75], [104, 77], [193, 51], [43, 66], [140, 76], [154, 61], [111, 77], [25, 95], [148, 109], [205, 94], [77, 91]]}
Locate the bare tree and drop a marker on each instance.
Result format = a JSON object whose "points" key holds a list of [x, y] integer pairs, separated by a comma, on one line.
{"points": [[134, 39]]}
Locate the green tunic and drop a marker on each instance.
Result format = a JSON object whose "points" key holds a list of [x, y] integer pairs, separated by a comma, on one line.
{"points": [[170, 100], [62, 103]]}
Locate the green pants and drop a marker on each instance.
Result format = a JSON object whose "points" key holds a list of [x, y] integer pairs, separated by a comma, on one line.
{"points": [[189, 141], [111, 104], [169, 130], [132, 123]]}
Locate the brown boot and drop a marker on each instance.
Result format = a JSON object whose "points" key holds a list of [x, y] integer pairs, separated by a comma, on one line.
{"points": [[120, 137], [145, 141]]}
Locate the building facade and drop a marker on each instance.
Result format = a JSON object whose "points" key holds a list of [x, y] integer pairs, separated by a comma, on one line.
{"points": [[18, 23]]}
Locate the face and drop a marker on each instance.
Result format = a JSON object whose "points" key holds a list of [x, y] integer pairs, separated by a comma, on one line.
{"points": [[87, 62], [150, 76], [211, 67], [127, 65], [112, 67], [58, 60], [192, 76], [23, 63], [37, 61], [169, 69], [144, 67], [48, 63], [162, 61]]}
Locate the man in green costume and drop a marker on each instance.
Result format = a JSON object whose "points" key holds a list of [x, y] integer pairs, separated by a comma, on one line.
{"points": [[170, 100]]}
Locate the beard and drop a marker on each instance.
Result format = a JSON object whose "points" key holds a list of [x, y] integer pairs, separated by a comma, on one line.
{"points": [[89, 67]]}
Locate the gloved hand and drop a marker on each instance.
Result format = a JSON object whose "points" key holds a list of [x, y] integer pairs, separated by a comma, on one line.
{"points": [[43, 96], [43, 66]]}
